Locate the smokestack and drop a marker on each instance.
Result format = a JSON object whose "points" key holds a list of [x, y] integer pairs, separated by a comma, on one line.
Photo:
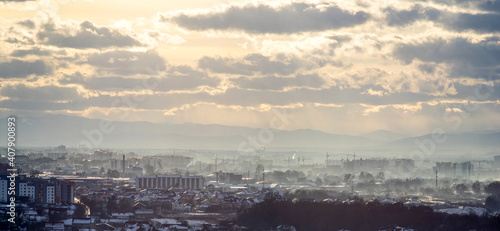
{"points": [[436, 178], [123, 164]]}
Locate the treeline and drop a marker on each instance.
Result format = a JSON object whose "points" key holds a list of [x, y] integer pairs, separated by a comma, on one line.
{"points": [[492, 202], [372, 215]]}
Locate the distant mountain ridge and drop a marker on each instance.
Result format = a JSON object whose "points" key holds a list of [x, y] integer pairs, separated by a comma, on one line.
{"points": [[470, 142], [54, 130], [384, 136]]}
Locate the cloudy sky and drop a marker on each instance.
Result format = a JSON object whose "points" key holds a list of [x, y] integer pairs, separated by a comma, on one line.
{"points": [[342, 66]]}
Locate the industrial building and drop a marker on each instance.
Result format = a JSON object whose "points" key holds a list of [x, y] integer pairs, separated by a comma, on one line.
{"points": [[166, 182]]}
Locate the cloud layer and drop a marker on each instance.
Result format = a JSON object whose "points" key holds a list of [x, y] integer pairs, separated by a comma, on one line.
{"points": [[292, 18], [86, 36], [340, 67]]}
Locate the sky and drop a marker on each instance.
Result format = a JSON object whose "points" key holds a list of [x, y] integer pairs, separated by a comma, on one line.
{"points": [[347, 67]]}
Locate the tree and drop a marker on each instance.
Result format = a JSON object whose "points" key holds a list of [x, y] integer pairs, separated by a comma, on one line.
{"points": [[492, 203], [124, 206], [493, 200], [319, 182], [493, 188], [113, 173], [80, 211], [111, 207], [258, 171], [214, 208], [476, 187], [428, 191], [35, 173], [461, 188], [280, 177], [356, 216], [380, 176], [366, 177], [348, 178]]}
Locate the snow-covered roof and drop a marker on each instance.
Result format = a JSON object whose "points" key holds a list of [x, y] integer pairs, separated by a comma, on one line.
{"points": [[165, 221], [465, 210], [144, 211], [82, 221], [121, 214]]}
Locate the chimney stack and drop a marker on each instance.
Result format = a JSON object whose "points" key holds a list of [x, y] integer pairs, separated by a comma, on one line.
{"points": [[123, 164]]}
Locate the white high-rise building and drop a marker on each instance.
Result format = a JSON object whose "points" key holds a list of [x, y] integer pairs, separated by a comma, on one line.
{"points": [[51, 192], [4, 191], [27, 190]]}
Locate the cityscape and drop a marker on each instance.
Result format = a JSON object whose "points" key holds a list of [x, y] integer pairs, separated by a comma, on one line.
{"points": [[61, 189], [268, 115]]}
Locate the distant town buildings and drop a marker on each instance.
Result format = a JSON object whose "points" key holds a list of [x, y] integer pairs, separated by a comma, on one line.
{"points": [[365, 165], [496, 161], [404, 165], [166, 182], [449, 169], [445, 168], [463, 170]]}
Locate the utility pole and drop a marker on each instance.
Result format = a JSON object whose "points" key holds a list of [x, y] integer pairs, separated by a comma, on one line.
{"points": [[215, 163], [123, 165], [263, 178], [436, 178]]}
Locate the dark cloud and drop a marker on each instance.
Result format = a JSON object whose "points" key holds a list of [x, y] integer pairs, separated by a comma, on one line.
{"points": [[405, 17], [21, 40], [47, 98], [333, 95], [427, 68], [468, 59], [462, 3], [340, 39], [485, 5], [490, 5], [258, 64], [279, 83], [87, 36], [127, 62], [241, 97], [39, 93], [293, 18], [482, 22], [27, 23], [175, 80], [37, 51], [20, 69]]}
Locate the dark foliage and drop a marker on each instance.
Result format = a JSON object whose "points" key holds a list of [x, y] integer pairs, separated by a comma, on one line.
{"points": [[493, 188], [80, 211], [492, 202], [358, 216], [476, 187], [317, 195]]}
